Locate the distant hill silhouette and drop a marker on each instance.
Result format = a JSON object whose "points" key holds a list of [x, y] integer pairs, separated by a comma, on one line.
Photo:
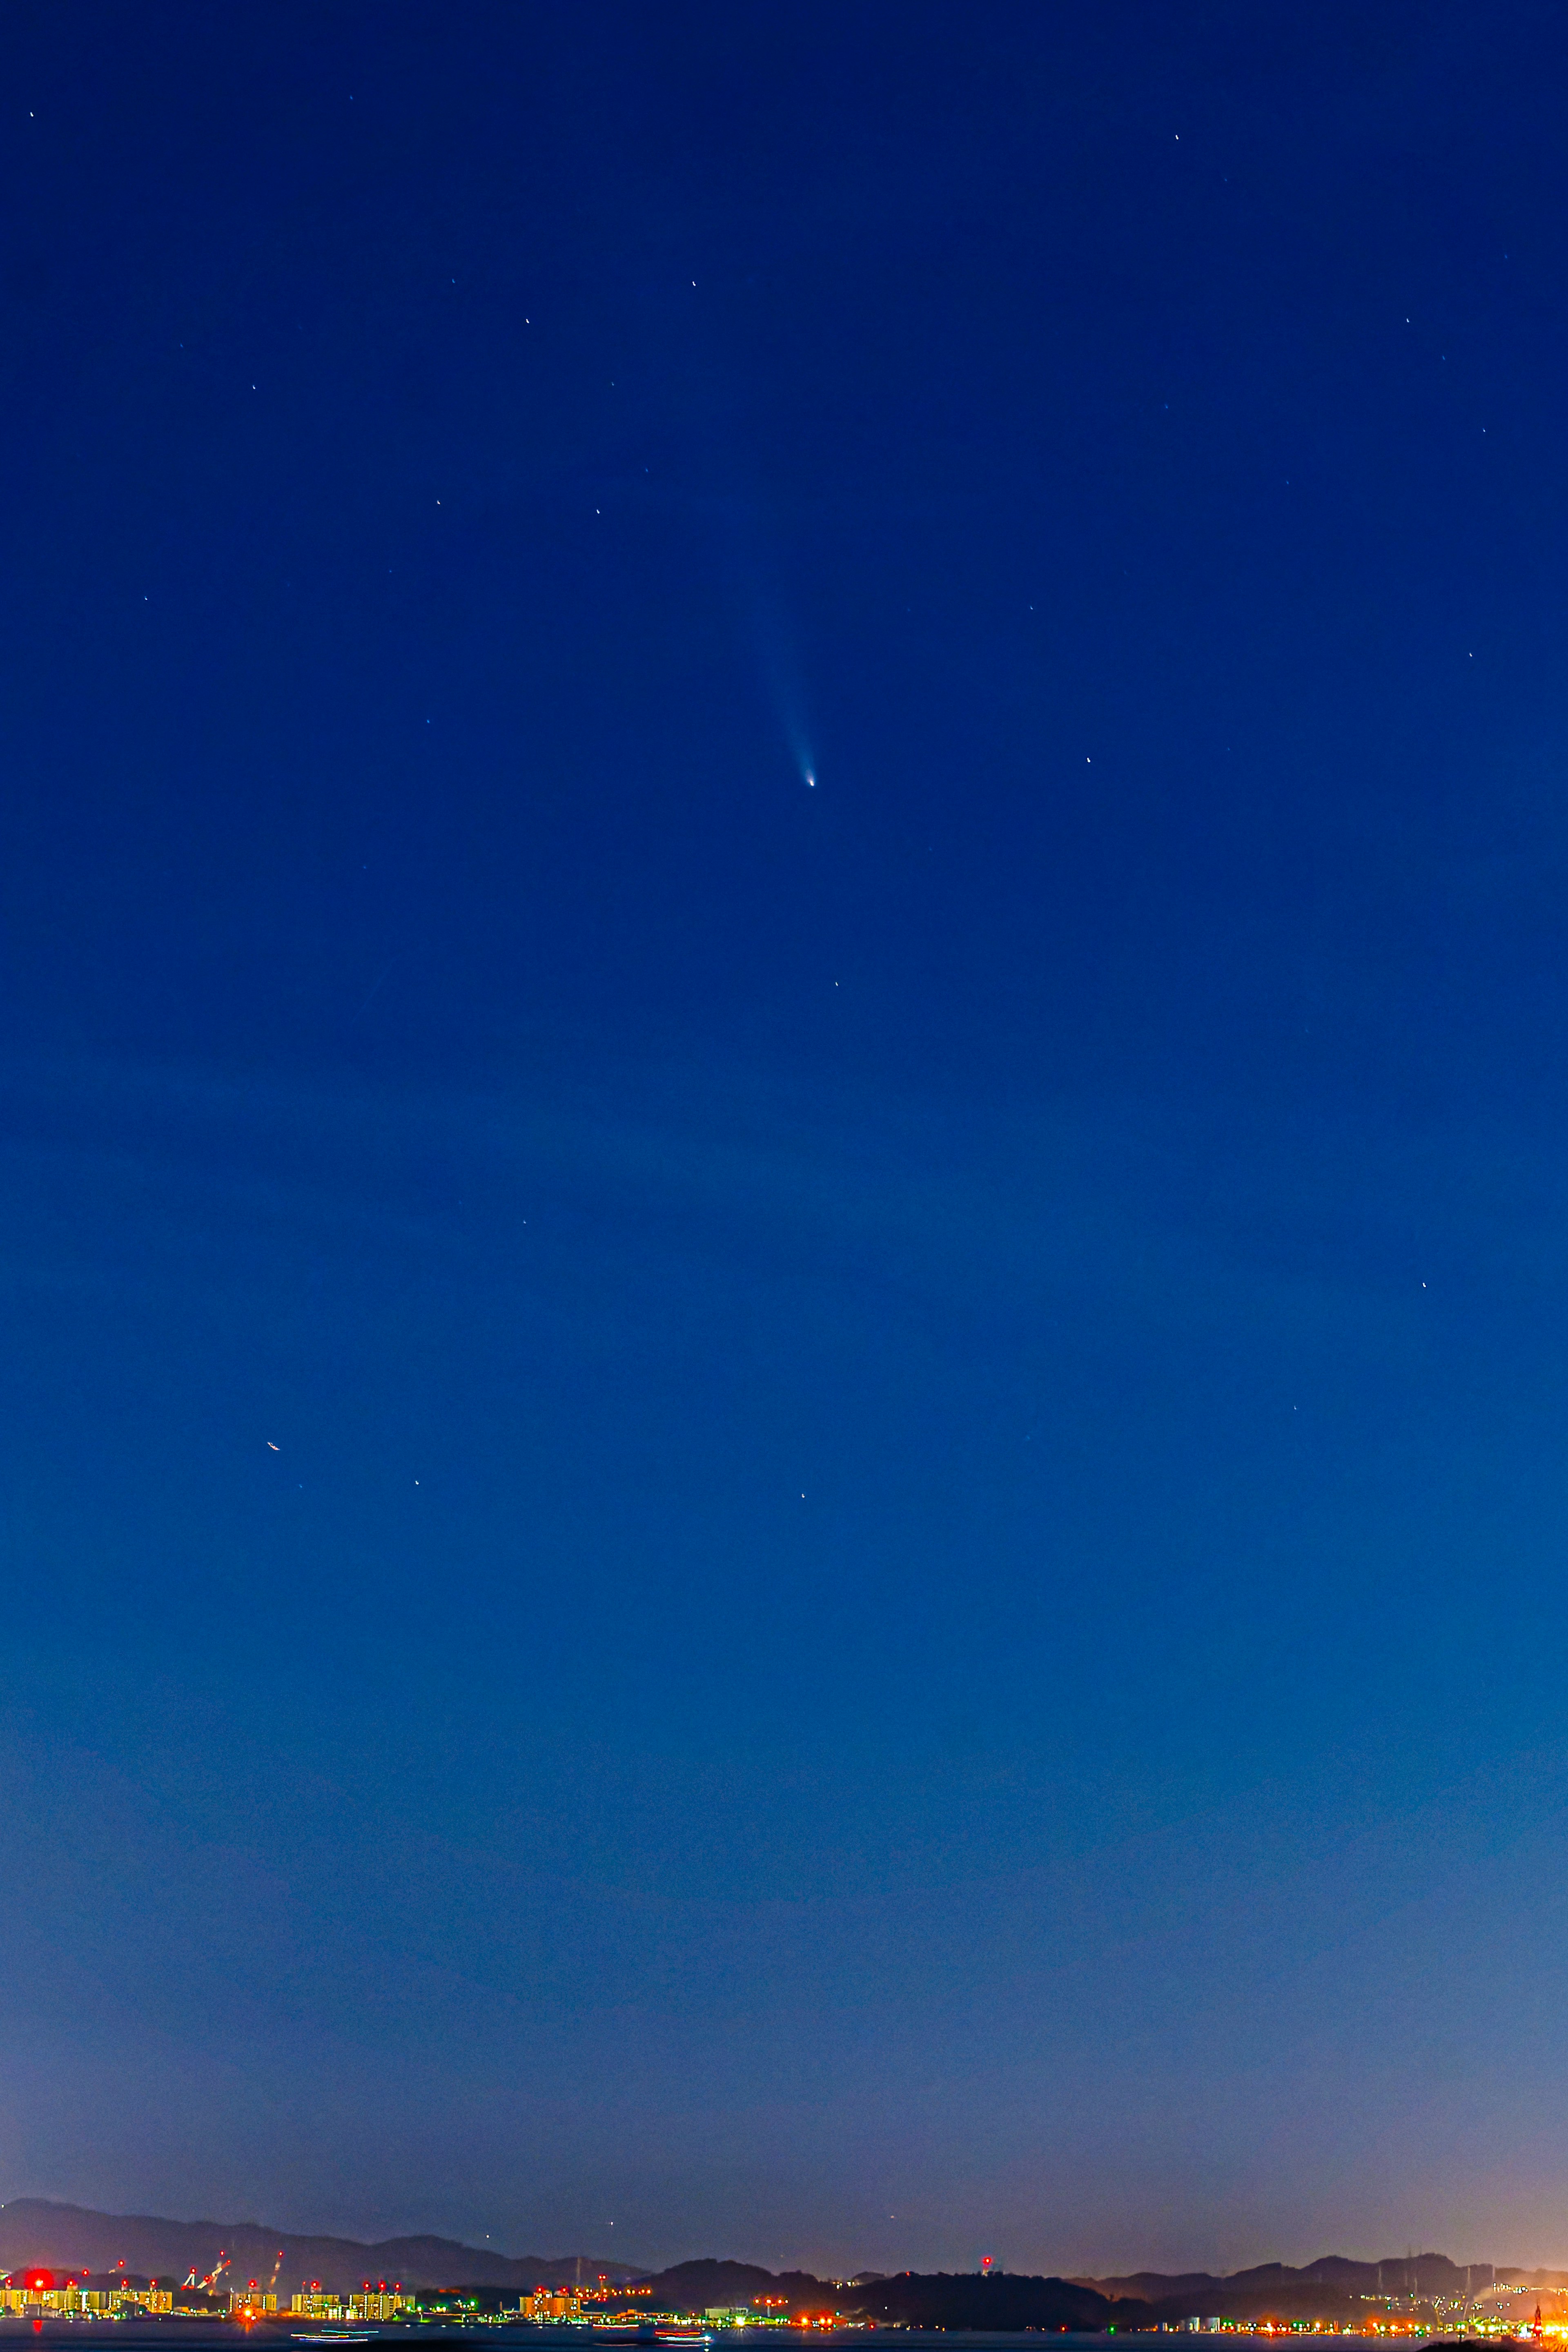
{"points": [[72, 2237], [1396, 2275], [1002, 2300], [692, 2286], [1330, 2288], [939, 2299]]}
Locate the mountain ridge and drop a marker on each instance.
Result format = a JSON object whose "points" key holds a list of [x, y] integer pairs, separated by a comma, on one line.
{"points": [[77, 2237], [1394, 2274], [62, 2236]]}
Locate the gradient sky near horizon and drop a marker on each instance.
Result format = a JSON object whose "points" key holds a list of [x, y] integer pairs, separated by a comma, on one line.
{"points": [[785, 1155]]}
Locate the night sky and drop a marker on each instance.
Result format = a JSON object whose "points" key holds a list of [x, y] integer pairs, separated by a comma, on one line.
{"points": [[784, 1171]]}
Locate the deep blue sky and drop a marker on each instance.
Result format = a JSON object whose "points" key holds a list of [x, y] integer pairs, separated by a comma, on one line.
{"points": [[911, 1596]]}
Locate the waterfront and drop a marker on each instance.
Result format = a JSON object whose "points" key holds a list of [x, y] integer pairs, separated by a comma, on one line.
{"points": [[199, 2335]]}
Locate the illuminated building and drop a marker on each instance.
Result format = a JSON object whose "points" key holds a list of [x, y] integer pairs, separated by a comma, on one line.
{"points": [[375, 2304], [554, 2302]]}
